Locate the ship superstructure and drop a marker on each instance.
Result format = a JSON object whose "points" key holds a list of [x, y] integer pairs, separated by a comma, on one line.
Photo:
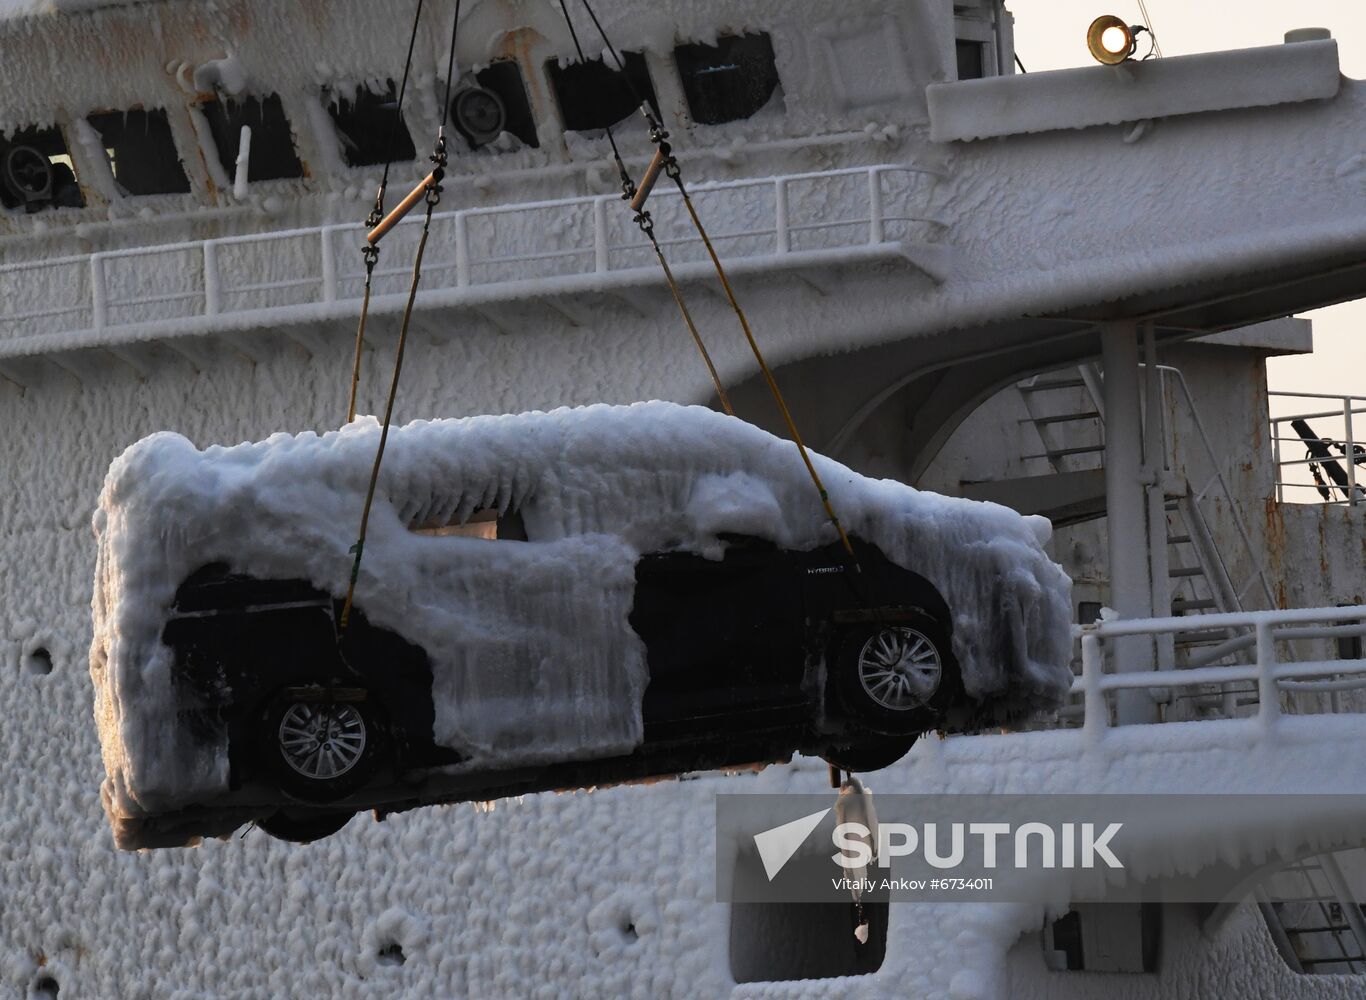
{"points": [[1054, 290]]}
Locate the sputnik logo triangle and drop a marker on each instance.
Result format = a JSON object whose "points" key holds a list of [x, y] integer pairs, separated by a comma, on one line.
{"points": [[776, 846]]}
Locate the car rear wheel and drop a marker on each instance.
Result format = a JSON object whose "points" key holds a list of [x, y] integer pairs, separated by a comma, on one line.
{"points": [[869, 756], [896, 677], [320, 750], [305, 829]]}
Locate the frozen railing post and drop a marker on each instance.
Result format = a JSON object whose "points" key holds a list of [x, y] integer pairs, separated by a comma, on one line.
{"points": [[782, 240], [876, 229], [212, 302], [1351, 463], [1268, 693], [600, 260], [329, 265], [99, 292], [1096, 717], [462, 250]]}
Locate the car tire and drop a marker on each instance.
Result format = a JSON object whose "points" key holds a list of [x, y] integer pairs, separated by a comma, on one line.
{"points": [[871, 755], [341, 757], [896, 678], [305, 829]]}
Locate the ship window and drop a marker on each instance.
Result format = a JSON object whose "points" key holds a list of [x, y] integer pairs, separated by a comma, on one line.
{"points": [[593, 96], [141, 152], [36, 171], [730, 80], [272, 144], [971, 60], [1105, 937], [497, 103], [371, 127]]}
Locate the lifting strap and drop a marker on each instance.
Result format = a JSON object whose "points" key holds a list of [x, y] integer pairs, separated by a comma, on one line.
{"points": [[664, 160], [428, 190], [636, 199], [370, 251]]}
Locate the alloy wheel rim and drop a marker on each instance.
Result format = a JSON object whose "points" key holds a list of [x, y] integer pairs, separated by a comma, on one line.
{"points": [[322, 741], [900, 668]]}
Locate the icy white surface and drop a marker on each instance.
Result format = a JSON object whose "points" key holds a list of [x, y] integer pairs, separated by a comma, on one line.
{"points": [[532, 655], [1109, 95]]}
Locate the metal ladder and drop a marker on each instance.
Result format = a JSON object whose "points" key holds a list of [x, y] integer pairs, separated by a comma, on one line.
{"points": [[1199, 579], [1313, 917]]}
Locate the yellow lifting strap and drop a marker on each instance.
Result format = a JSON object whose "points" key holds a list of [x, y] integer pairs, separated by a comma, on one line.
{"points": [[664, 160]]}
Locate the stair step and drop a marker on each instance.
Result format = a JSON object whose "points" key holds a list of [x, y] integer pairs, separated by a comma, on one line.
{"points": [[1063, 418], [1202, 604], [1178, 539], [1062, 383], [1199, 638], [1186, 571], [1089, 449]]}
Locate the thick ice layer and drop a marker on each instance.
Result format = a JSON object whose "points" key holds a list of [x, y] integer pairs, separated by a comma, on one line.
{"points": [[532, 654]]}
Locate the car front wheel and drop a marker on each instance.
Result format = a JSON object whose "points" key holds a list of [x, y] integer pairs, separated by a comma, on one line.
{"points": [[320, 750], [896, 677]]}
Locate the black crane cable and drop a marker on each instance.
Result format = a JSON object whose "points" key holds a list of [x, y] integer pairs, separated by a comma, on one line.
{"points": [[370, 252], [659, 136], [644, 220], [432, 198]]}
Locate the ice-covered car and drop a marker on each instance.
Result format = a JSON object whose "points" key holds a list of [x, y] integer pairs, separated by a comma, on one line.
{"points": [[546, 600]]}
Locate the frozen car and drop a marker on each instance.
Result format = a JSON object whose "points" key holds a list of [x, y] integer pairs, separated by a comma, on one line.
{"points": [[547, 600]]}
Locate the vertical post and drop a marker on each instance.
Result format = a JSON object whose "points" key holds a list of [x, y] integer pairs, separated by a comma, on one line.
{"points": [[329, 263], [1268, 694], [462, 251], [1096, 717], [1126, 514], [1352, 498], [783, 240], [1155, 465], [99, 293], [1277, 471], [876, 230], [601, 262], [212, 301]]}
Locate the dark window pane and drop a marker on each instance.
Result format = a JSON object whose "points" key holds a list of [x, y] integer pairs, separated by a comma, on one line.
{"points": [[370, 127], [593, 95], [36, 171], [272, 146], [481, 120], [141, 152], [727, 81], [970, 60]]}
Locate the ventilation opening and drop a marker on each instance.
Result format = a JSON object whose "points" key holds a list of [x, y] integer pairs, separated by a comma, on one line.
{"points": [[497, 103], [141, 152], [971, 60], [391, 954], [780, 942], [1105, 937], [371, 127], [272, 155], [485, 523], [593, 96], [46, 988], [730, 80], [36, 171], [39, 662]]}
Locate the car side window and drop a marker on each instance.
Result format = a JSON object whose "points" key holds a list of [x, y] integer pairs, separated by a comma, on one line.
{"points": [[486, 523]]}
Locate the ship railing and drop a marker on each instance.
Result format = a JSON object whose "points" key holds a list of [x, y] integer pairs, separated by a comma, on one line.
{"points": [[1300, 476], [1296, 680], [512, 250]]}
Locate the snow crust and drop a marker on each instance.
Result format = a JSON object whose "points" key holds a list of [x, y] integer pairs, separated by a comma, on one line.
{"points": [[532, 655]]}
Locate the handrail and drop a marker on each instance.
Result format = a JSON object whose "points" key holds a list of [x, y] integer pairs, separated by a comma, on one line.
{"points": [[1270, 674], [863, 220], [1354, 493]]}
